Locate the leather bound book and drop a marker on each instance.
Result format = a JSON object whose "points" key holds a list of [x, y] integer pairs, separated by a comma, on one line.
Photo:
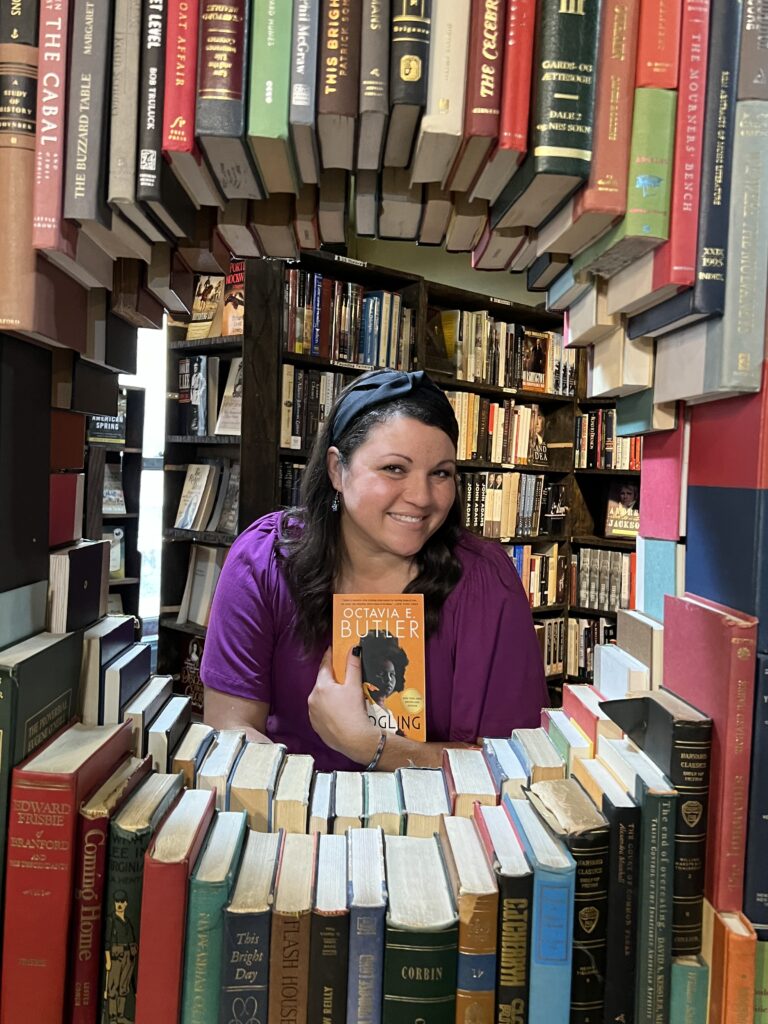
{"points": [[374, 84], [338, 82], [76, 576], [18, 91], [408, 75], [46, 793], [658, 45], [732, 968], [220, 113], [709, 661], [329, 931], [290, 938], [66, 496]]}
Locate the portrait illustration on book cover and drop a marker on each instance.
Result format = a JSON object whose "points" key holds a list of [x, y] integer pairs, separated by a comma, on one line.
{"points": [[389, 629], [622, 517]]}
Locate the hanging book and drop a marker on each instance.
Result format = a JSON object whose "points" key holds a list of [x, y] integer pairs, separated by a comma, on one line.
{"points": [[390, 630], [232, 402], [233, 311], [622, 517]]}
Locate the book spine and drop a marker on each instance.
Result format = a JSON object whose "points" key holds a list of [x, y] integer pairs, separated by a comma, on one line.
{"points": [[745, 298], [47, 224], [753, 64], [288, 981], [409, 52], [621, 933], [654, 936], [514, 950], [245, 966], [419, 970], [515, 87], [755, 880], [366, 955], [339, 72], [89, 889], [328, 968], [658, 48], [484, 68], [18, 92], [8, 694], [221, 100], [606, 189], [41, 835], [374, 59], [476, 973], [151, 99], [567, 37], [591, 851], [688, 991], [180, 76], [124, 113], [551, 946], [689, 774], [306, 14], [675, 262], [203, 950], [87, 113]]}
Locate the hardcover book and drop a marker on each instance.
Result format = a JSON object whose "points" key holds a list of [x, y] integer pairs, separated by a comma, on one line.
{"points": [[408, 73], [303, 97], [329, 934], [374, 84], [338, 82], [389, 628], [622, 515], [290, 938], [367, 907]]}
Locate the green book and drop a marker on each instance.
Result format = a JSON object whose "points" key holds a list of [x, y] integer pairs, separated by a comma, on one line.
{"points": [[209, 891], [130, 834], [39, 680], [269, 94], [646, 222], [421, 939], [689, 979]]}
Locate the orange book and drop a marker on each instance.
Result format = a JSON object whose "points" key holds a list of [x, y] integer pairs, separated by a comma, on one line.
{"points": [[389, 629], [732, 968]]}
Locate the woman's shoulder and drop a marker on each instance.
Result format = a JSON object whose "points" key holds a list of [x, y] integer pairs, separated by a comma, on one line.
{"points": [[256, 546], [484, 561]]}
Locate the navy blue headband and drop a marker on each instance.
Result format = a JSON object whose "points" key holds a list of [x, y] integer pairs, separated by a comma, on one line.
{"points": [[378, 389]]}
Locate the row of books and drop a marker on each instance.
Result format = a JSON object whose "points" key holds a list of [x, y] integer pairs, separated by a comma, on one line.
{"points": [[503, 433], [598, 446], [210, 395], [482, 350], [584, 635], [542, 572], [345, 322], [551, 634], [503, 505], [218, 306], [210, 497], [602, 579], [306, 400]]}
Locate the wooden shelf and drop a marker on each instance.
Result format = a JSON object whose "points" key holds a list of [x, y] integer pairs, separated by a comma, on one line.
{"points": [[451, 383], [324, 363], [199, 537], [191, 628], [126, 582], [119, 515], [548, 609], [540, 538], [588, 541], [595, 613], [234, 341]]}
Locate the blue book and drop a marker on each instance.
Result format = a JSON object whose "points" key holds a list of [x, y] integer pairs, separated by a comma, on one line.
{"points": [[554, 878], [688, 1001], [707, 297], [209, 890], [367, 907], [317, 298], [661, 569], [755, 876], [302, 122], [247, 920], [636, 414], [565, 290], [367, 329]]}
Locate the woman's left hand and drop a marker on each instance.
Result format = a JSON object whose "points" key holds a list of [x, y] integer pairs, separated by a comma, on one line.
{"points": [[337, 711]]}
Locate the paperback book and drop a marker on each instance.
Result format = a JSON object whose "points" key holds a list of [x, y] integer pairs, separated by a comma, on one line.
{"points": [[389, 629], [208, 294], [622, 517]]}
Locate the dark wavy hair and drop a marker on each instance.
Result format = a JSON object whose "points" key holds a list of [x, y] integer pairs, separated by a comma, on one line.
{"points": [[309, 547]]}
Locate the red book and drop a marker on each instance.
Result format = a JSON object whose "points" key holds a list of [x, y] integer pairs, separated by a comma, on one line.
{"points": [[674, 263], [49, 230], [604, 197], [65, 518], [86, 952], [515, 102], [582, 703], [168, 863], [658, 47], [46, 792], [67, 439], [709, 660], [482, 102], [732, 969]]}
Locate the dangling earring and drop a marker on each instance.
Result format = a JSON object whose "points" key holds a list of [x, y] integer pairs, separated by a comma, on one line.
{"points": [[336, 503]]}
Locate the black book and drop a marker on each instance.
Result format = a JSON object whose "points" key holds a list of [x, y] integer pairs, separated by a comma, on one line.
{"points": [[678, 739], [76, 581], [19, 21], [329, 931], [25, 445], [408, 73], [707, 297]]}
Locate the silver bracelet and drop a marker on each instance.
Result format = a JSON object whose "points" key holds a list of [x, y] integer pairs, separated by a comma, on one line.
{"points": [[377, 756]]}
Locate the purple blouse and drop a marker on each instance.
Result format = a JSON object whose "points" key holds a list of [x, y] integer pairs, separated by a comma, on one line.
{"points": [[485, 674]]}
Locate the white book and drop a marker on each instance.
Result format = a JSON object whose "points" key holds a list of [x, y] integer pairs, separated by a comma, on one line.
{"points": [[193, 495], [619, 365], [218, 764], [321, 803], [230, 413], [347, 801], [166, 731], [618, 673], [144, 707], [425, 799], [205, 564]]}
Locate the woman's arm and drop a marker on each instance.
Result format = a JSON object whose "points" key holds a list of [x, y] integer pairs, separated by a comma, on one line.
{"points": [[226, 711]]}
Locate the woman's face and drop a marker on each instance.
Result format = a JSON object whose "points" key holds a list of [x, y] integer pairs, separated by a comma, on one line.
{"points": [[397, 488]]}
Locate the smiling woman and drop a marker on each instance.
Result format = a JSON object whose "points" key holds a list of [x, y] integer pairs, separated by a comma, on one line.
{"points": [[380, 513]]}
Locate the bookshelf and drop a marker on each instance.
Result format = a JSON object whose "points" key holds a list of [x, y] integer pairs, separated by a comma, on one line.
{"points": [[120, 454]]}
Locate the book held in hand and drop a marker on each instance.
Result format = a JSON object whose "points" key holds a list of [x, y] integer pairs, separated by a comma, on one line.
{"points": [[390, 630]]}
